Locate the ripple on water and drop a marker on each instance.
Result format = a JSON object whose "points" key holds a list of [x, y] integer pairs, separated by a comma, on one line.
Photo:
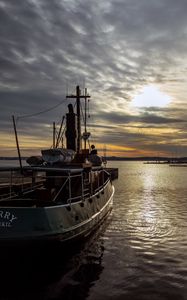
{"points": [[146, 241]]}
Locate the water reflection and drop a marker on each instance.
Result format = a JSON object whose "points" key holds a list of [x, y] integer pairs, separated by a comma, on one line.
{"points": [[146, 244], [149, 213], [53, 273], [141, 254], [75, 284]]}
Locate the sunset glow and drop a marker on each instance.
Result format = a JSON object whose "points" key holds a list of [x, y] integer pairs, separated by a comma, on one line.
{"points": [[151, 97], [131, 60]]}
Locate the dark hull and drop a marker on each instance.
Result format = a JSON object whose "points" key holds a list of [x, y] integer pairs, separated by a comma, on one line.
{"points": [[64, 223]]}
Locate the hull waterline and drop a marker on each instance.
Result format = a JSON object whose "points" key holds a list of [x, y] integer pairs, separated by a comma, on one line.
{"points": [[64, 223]]}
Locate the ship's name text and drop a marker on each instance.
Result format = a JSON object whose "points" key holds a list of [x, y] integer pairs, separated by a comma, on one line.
{"points": [[6, 218]]}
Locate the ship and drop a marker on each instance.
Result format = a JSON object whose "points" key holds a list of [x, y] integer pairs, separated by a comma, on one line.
{"points": [[62, 195]]}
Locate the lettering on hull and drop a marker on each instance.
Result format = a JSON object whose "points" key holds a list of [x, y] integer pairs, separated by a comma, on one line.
{"points": [[7, 218]]}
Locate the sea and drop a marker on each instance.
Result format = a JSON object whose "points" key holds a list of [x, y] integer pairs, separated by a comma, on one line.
{"points": [[138, 253]]}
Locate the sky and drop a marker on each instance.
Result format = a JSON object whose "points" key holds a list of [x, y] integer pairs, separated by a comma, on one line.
{"points": [[131, 55]]}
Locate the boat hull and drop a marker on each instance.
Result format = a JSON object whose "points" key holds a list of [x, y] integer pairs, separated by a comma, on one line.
{"points": [[63, 223]]}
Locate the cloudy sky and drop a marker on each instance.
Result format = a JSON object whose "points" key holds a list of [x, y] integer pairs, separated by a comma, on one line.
{"points": [[130, 54]]}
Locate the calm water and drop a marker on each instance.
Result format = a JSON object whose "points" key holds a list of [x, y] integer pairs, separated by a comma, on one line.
{"points": [[140, 252]]}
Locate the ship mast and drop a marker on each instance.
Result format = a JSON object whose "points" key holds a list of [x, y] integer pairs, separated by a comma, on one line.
{"points": [[78, 97], [85, 118]]}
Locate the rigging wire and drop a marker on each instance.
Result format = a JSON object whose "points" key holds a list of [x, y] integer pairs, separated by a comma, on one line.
{"points": [[82, 113], [88, 108], [41, 112], [93, 137]]}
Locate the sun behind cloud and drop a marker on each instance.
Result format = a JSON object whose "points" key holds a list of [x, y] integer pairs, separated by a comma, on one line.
{"points": [[151, 96]]}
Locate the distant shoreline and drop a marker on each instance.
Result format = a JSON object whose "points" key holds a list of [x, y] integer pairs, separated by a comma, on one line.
{"points": [[116, 158]]}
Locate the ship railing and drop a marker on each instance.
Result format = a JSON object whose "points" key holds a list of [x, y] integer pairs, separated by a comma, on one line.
{"points": [[100, 187], [60, 190], [88, 188], [87, 184], [69, 182], [12, 183]]}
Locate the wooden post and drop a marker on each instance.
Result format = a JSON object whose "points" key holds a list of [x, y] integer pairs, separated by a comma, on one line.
{"points": [[17, 144], [78, 118], [85, 117], [54, 133]]}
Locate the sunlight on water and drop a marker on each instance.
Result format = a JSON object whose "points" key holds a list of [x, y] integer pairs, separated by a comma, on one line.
{"points": [[146, 245], [141, 251]]}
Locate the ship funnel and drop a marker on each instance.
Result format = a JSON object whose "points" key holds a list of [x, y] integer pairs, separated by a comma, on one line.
{"points": [[71, 125]]}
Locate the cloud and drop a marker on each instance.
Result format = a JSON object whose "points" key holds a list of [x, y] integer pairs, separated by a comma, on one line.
{"points": [[115, 48]]}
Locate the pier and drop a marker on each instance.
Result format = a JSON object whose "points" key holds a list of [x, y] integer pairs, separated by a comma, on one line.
{"points": [[113, 172]]}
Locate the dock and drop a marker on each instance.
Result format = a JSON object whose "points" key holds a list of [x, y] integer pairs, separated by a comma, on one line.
{"points": [[113, 172]]}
